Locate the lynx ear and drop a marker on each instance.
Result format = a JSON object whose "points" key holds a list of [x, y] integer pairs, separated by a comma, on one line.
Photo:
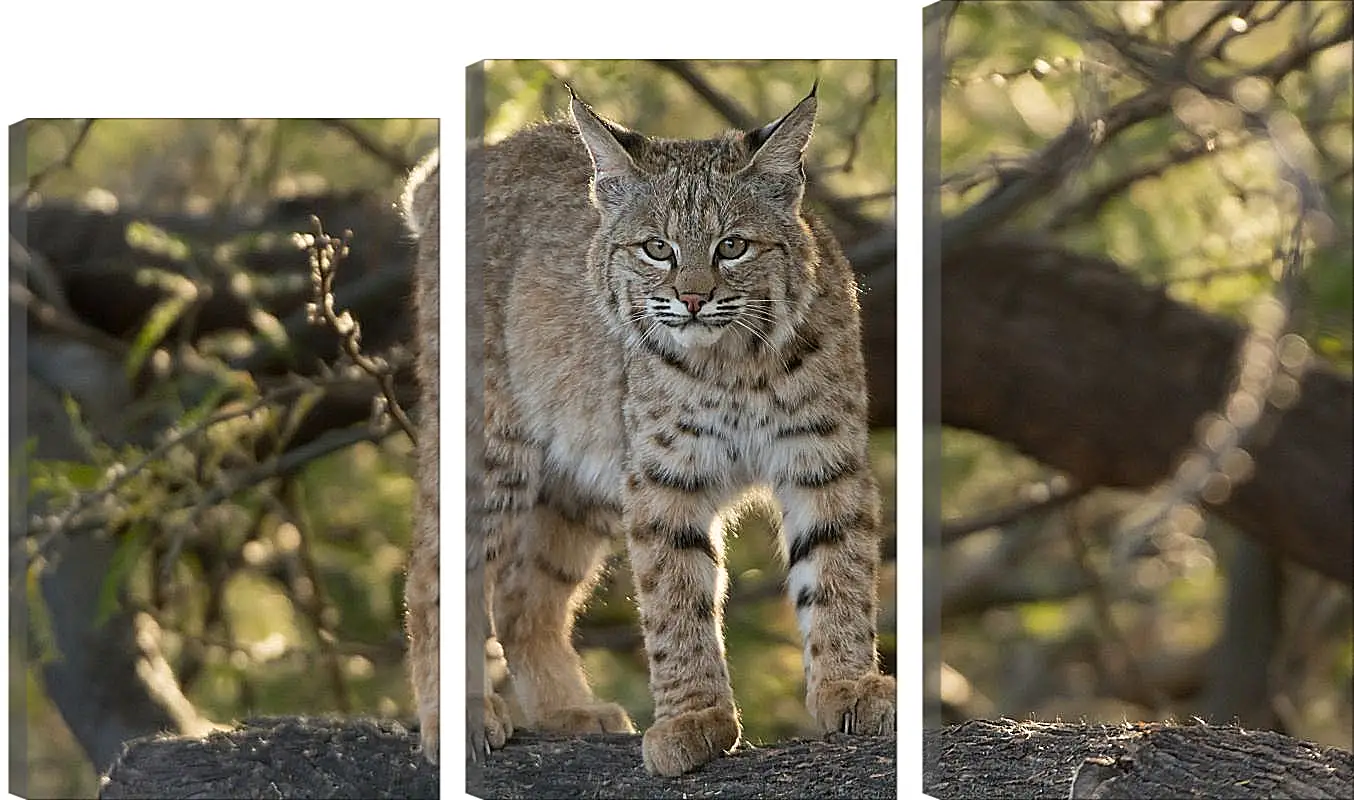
{"points": [[604, 141], [778, 148]]}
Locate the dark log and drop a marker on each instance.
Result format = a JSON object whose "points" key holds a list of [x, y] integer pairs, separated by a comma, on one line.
{"points": [[293, 757], [610, 765], [92, 262], [299, 758], [1034, 761], [1077, 364]]}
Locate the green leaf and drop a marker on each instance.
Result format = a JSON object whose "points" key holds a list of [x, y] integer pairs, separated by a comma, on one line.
{"points": [[132, 545], [296, 413], [158, 322], [144, 236], [208, 406], [79, 430], [39, 618], [50, 475]]}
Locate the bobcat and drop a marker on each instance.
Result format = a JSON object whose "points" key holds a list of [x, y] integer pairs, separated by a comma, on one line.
{"points": [[664, 328]]}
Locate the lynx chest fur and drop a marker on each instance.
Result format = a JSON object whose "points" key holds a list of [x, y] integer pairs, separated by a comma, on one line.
{"points": [[664, 329]]}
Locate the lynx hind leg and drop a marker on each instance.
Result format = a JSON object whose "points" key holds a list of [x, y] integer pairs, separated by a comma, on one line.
{"points": [[488, 720], [423, 600], [545, 572]]}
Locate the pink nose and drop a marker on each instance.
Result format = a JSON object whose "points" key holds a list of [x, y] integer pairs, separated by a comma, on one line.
{"points": [[693, 302]]}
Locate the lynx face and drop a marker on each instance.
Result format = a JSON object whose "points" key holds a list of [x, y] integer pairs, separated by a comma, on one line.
{"points": [[701, 241]]}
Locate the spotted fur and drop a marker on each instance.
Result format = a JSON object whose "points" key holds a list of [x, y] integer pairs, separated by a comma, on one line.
{"points": [[665, 329]]}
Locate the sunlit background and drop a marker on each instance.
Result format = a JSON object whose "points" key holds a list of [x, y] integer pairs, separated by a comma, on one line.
{"points": [[1042, 613]]}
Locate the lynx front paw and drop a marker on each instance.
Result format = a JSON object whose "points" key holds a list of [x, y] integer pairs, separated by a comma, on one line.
{"points": [[591, 718], [488, 725], [680, 744], [866, 705]]}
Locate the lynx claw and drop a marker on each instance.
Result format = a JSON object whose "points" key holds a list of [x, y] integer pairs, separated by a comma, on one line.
{"points": [[488, 726], [867, 705]]}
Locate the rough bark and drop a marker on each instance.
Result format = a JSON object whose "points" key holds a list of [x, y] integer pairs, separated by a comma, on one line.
{"points": [[1077, 364], [292, 757], [299, 758], [1033, 761]]}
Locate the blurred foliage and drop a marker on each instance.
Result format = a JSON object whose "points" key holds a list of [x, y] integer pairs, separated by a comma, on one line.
{"points": [[853, 154], [222, 165], [270, 594], [1038, 615], [283, 594]]}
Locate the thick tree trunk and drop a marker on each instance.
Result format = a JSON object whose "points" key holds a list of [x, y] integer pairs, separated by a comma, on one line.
{"points": [[1075, 363]]}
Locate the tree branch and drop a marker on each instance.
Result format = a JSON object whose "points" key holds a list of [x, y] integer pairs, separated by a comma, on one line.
{"points": [[396, 161], [1072, 361], [65, 162]]}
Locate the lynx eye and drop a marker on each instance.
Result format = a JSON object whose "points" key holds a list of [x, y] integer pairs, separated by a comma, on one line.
{"points": [[731, 247], [658, 250]]}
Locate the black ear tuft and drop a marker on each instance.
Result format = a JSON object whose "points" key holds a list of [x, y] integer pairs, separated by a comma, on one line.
{"points": [[757, 137], [778, 148]]}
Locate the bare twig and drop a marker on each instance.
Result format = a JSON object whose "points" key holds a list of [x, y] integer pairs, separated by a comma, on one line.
{"points": [[1251, 24], [326, 253], [1223, 12], [1045, 173], [396, 161], [289, 462], [69, 518], [1051, 166], [316, 607], [53, 318], [727, 107], [1086, 207], [865, 108], [1109, 628], [1054, 494], [65, 162]]}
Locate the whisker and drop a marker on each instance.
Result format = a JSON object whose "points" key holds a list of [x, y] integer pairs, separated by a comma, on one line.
{"points": [[770, 347]]}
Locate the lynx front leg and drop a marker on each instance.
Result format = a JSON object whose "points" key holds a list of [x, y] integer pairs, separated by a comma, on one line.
{"points": [[830, 527], [676, 554]]}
